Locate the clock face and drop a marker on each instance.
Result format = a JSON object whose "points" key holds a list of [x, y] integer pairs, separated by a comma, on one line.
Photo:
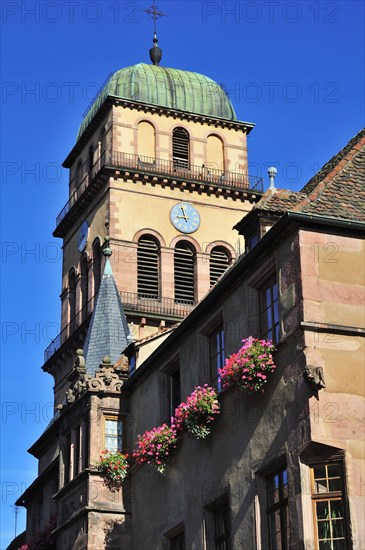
{"points": [[82, 236], [185, 217]]}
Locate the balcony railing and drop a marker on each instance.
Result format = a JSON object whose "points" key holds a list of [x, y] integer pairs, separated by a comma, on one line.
{"points": [[149, 165], [133, 303], [69, 329], [159, 306]]}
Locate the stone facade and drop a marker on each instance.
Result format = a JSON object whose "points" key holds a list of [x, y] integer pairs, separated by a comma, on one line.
{"points": [[291, 423]]}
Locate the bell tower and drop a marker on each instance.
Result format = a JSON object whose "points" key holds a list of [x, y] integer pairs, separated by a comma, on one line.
{"points": [[162, 157], [158, 179]]}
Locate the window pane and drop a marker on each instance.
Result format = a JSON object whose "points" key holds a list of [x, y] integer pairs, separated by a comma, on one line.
{"points": [[334, 470], [324, 530], [275, 522], [339, 545], [338, 529], [334, 485], [275, 542], [216, 352], [323, 545], [273, 490], [321, 486], [111, 427], [277, 491], [221, 527], [336, 509], [275, 291], [269, 310], [113, 431], [285, 483], [322, 510], [319, 472]]}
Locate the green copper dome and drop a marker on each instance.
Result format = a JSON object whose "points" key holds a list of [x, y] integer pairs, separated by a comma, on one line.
{"points": [[170, 88]]}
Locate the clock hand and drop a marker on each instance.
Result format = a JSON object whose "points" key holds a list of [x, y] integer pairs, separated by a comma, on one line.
{"points": [[184, 213]]}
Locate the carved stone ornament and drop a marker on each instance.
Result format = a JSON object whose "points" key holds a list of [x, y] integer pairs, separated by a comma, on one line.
{"points": [[315, 377], [108, 378]]}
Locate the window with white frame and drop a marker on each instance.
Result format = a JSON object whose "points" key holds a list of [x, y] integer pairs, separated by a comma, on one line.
{"points": [[113, 433]]}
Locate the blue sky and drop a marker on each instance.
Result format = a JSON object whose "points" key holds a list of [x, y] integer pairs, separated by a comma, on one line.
{"points": [[295, 69]]}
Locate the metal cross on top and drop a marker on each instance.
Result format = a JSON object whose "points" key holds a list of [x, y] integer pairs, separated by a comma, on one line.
{"points": [[155, 14]]}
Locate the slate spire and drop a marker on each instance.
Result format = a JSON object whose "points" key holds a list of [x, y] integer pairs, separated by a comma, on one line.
{"points": [[108, 333]]}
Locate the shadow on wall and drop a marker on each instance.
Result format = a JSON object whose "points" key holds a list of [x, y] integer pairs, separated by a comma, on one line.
{"points": [[116, 534], [80, 543]]}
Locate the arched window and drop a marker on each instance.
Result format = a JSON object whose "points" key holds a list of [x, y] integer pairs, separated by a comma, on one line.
{"points": [[146, 141], [215, 154], [84, 287], [220, 259], [180, 148], [78, 173], [184, 272], [148, 267], [102, 145], [96, 265], [90, 158], [72, 297]]}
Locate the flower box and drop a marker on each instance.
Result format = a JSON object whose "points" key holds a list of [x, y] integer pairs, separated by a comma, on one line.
{"points": [[248, 369], [156, 446], [197, 412], [113, 466]]}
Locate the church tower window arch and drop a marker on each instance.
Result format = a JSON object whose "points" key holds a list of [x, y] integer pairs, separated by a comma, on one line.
{"points": [[148, 267], [215, 153], [96, 265], [146, 141], [78, 173], [180, 147], [90, 158], [220, 259], [72, 297], [185, 272], [84, 287]]}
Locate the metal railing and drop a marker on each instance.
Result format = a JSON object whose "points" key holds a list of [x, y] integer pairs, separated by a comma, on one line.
{"points": [[68, 330], [132, 302], [80, 187], [175, 168], [160, 306], [149, 165]]}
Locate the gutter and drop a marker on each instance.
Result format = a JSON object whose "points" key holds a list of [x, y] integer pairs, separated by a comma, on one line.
{"points": [[234, 273]]}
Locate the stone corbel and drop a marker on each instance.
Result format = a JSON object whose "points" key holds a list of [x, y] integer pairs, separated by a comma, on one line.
{"points": [[108, 377], [78, 378], [315, 377]]}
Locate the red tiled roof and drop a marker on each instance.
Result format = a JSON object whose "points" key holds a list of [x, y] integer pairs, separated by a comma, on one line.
{"points": [[337, 190], [279, 201]]}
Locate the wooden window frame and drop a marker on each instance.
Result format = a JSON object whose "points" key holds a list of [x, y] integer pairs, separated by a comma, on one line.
{"points": [[330, 496]]}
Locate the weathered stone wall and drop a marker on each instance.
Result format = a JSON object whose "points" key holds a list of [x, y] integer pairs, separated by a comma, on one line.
{"points": [[254, 432]]}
